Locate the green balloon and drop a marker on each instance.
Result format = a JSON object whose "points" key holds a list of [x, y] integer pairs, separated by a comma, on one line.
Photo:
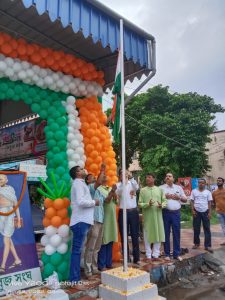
{"points": [[10, 94], [49, 154], [45, 104], [2, 95], [61, 121], [66, 176], [28, 100], [49, 134], [58, 158], [18, 89], [56, 259], [60, 171], [62, 144], [3, 87], [43, 114], [48, 270], [62, 110], [54, 126], [56, 149], [67, 256], [59, 135], [63, 267], [51, 143], [32, 92], [35, 107], [51, 110], [45, 258]]}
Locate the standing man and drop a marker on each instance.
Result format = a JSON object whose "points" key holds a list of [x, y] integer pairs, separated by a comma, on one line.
{"points": [[201, 210], [171, 215], [81, 219], [219, 200], [131, 187], [152, 200]]}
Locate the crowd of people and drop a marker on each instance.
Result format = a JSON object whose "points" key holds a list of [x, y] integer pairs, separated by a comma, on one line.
{"points": [[94, 221]]}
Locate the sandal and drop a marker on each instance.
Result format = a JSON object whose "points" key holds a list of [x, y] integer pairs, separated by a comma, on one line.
{"points": [[14, 265], [179, 258], [2, 270]]}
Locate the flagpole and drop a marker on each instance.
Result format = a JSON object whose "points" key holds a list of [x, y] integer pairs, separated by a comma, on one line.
{"points": [[123, 150]]}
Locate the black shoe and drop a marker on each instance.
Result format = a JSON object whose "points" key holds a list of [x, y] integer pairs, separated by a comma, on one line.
{"points": [[209, 249]]}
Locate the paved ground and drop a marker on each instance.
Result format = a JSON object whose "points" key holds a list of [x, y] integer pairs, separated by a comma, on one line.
{"points": [[186, 242]]}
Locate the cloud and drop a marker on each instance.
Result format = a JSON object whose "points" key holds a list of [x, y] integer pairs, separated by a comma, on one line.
{"points": [[190, 37]]}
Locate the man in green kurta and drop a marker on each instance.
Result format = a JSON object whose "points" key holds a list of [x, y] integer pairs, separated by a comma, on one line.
{"points": [[152, 200]]}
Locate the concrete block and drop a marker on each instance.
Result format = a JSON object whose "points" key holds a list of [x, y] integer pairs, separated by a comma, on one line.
{"points": [[125, 282], [147, 292]]}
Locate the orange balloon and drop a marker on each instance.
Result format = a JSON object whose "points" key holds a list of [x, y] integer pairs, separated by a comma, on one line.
{"points": [[46, 222], [66, 221], [63, 213], [108, 160], [107, 143], [90, 132], [85, 126], [93, 125], [79, 103], [66, 202], [50, 212], [98, 147], [93, 168], [35, 58], [103, 155], [89, 148], [94, 140], [89, 161], [58, 203], [56, 221], [111, 154], [6, 48], [48, 203], [94, 154]]}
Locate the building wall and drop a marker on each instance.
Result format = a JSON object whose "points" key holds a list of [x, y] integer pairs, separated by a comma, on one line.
{"points": [[216, 156]]}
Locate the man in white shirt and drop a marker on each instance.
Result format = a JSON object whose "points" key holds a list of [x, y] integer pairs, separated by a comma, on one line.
{"points": [[82, 218], [171, 215], [132, 214], [201, 200]]}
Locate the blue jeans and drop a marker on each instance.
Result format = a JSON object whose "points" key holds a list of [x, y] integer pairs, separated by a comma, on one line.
{"points": [[221, 218], [171, 219], [105, 256], [80, 231]]}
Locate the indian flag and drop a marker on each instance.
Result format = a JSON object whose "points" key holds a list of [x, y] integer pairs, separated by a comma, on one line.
{"points": [[116, 110]]}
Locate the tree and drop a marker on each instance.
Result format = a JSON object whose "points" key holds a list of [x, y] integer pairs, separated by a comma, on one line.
{"points": [[170, 131]]}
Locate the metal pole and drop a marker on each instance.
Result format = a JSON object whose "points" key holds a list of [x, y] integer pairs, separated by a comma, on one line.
{"points": [[123, 151]]}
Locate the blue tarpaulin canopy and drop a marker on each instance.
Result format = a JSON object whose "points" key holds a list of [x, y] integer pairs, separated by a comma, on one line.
{"points": [[85, 28]]}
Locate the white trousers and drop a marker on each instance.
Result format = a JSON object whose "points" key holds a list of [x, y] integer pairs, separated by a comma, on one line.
{"points": [[155, 251]]}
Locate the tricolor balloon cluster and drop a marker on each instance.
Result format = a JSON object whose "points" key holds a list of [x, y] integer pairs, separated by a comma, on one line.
{"points": [[53, 83], [49, 58]]}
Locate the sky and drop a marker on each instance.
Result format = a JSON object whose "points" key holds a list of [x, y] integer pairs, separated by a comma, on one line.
{"points": [[190, 41]]}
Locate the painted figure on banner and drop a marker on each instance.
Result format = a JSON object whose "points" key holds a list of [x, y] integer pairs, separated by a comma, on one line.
{"points": [[8, 201]]}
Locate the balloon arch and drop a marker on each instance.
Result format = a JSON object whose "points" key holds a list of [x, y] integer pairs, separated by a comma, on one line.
{"points": [[64, 91]]}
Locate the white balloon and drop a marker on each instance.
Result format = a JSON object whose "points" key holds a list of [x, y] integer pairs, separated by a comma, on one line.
{"points": [[25, 65], [66, 79], [27, 80], [62, 249], [72, 164], [36, 69], [70, 128], [74, 144], [44, 240], [48, 80], [64, 230], [65, 89], [70, 152], [36, 78], [50, 230], [80, 150], [90, 88], [55, 240], [59, 83], [75, 157], [30, 73], [79, 137], [49, 250], [9, 72], [43, 73], [55, 76], [22, 75], [66, 239], [70, 100], [82, 87], [77, 81], [71, 137], [9, 61], [72, 86], [3, 66], [70, 108], [72, 122], [40, 83], [81, 163]]}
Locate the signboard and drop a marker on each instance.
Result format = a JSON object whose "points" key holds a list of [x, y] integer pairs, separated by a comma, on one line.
{"points": [[185, 183], [194, 183], [23, 140], [34, 171], [19, 266]]}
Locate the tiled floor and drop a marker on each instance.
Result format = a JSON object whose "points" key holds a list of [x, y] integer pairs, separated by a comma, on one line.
{"points": [[186, 242]]}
